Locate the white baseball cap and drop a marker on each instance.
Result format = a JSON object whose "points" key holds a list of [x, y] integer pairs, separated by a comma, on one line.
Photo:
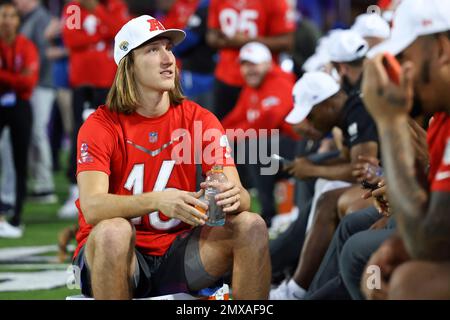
{"points": [[347, 46], [371, 25], [138, 31], [412, 19], [310, 90], [323, 44], [255, 52], [316, 62]]}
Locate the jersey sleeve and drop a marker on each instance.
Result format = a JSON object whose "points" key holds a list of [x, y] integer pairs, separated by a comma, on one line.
{"points": [[95, 146], [215, 146], [213, 15], [282, 17], [441, 180]]}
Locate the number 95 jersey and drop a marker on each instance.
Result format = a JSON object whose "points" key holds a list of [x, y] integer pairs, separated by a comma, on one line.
{"points": [[141, 154], [253, 18]]}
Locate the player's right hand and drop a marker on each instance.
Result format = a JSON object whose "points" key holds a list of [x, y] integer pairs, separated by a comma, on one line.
{"points": [[180, 205], [364, 169]]}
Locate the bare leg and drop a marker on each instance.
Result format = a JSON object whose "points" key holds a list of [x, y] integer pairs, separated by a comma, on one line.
{"points": [[319, 237], [111, 259], [351, 201], [241, 245], [420, 280]]}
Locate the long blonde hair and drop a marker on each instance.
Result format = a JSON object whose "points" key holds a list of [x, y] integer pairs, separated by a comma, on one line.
{"points": [[123, 97]]}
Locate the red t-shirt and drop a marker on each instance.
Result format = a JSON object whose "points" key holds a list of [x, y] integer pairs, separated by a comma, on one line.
{"points": [[19, 67], [90, 41], [255, 18], [439, 151], [179, 14], [264, 107], [140, 154]]}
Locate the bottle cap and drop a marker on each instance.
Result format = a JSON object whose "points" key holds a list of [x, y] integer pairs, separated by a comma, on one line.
{"points": [[217, 168]]}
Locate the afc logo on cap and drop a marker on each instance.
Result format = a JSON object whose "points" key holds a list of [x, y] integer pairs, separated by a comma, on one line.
{"points": [[155, 25]]}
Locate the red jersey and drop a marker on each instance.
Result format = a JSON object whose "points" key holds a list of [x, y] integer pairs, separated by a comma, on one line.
{"points": [[19, 67], [255, 18], [439, 151], [384, 4], [90, 41], [264, 107], [142, 155], [179, 14]]}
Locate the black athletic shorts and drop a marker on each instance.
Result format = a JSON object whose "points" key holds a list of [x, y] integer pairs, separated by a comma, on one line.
{"points": [[179, 270]]}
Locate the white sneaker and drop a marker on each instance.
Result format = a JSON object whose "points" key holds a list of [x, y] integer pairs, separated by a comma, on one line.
{"points": [[281, 222], [9, 231], [284, 292], [69, 210]]}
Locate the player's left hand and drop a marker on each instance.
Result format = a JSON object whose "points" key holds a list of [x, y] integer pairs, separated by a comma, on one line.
{"points": [[229, 197], [383, 99]]}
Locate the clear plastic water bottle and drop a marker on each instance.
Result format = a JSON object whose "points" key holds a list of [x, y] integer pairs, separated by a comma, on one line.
{"points": [[374, 171], [216, 216]]}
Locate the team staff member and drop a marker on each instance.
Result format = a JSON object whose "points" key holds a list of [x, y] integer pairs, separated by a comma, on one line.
{"points": [[137, 202], [264, 102], [233, 23], [91, 65], [19, 73]]}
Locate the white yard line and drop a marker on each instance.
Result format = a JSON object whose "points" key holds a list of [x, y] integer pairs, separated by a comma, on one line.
{"points": [[25, 281], [24, 253]]}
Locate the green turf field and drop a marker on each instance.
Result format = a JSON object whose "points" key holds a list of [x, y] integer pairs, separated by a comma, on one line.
{"points": [[41, 228]]}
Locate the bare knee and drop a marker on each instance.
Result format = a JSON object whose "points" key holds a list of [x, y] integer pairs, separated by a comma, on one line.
{"points": [[343, 204], [112, 237], [351, 201], [325, 209], [250, 227]]}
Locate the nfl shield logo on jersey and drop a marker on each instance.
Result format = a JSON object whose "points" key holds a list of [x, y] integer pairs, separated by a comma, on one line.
{"points": [[153, 137]]}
